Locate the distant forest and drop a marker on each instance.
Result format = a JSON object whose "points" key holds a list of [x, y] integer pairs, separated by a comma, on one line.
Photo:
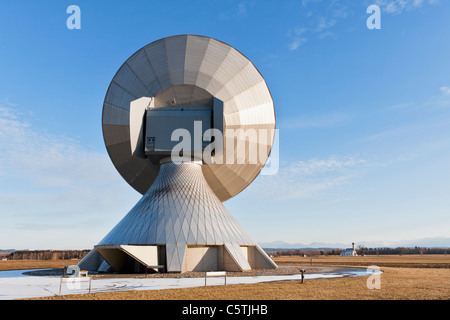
{"points": [[359, 250], [47, 254], [80, 254]]}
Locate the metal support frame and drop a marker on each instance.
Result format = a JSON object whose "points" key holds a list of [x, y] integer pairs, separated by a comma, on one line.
{"points": [[216, 274]]}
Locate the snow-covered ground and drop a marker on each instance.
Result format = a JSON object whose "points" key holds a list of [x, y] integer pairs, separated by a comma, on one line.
{"points": [[16, 285]]}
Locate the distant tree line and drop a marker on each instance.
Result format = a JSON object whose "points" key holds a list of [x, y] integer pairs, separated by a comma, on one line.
{"points": [[360, 250], [300, 252], [47, 254], [401, 250], [80, 254]]}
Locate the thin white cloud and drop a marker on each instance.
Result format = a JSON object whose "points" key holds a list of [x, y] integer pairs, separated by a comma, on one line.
{"points": [[51, 182], [238, 12], [428, 117], [241, 9], [296, 43], [306, 3], [439, 101], [399, 6], [445, 90], [325, 23], [48, 159], [434, 102], [298, 38], [320, 18], [306, 179]]}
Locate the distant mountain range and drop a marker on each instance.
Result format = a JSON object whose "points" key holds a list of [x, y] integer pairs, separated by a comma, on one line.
{"points": [[438, 242]]}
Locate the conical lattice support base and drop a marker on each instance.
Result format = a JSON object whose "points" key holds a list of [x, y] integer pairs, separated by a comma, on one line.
{"points": [[181, 214]]}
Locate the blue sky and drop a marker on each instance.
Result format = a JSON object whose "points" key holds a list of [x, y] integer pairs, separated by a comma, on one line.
{"points": [[364, 116]]}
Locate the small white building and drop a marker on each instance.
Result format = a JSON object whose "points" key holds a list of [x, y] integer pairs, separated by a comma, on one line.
{"points": [[349, 252]]}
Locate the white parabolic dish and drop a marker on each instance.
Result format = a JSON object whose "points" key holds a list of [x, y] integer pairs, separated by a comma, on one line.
{"points": [[180, 224], [188, 70]]}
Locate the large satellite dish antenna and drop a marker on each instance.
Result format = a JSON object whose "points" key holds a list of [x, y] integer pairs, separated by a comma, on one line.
{"points": [[180, 224]]}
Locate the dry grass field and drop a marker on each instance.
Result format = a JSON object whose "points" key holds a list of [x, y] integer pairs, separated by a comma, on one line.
{"points": [[407, 277], [396, 284], [401, 261], [35, 264]]}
